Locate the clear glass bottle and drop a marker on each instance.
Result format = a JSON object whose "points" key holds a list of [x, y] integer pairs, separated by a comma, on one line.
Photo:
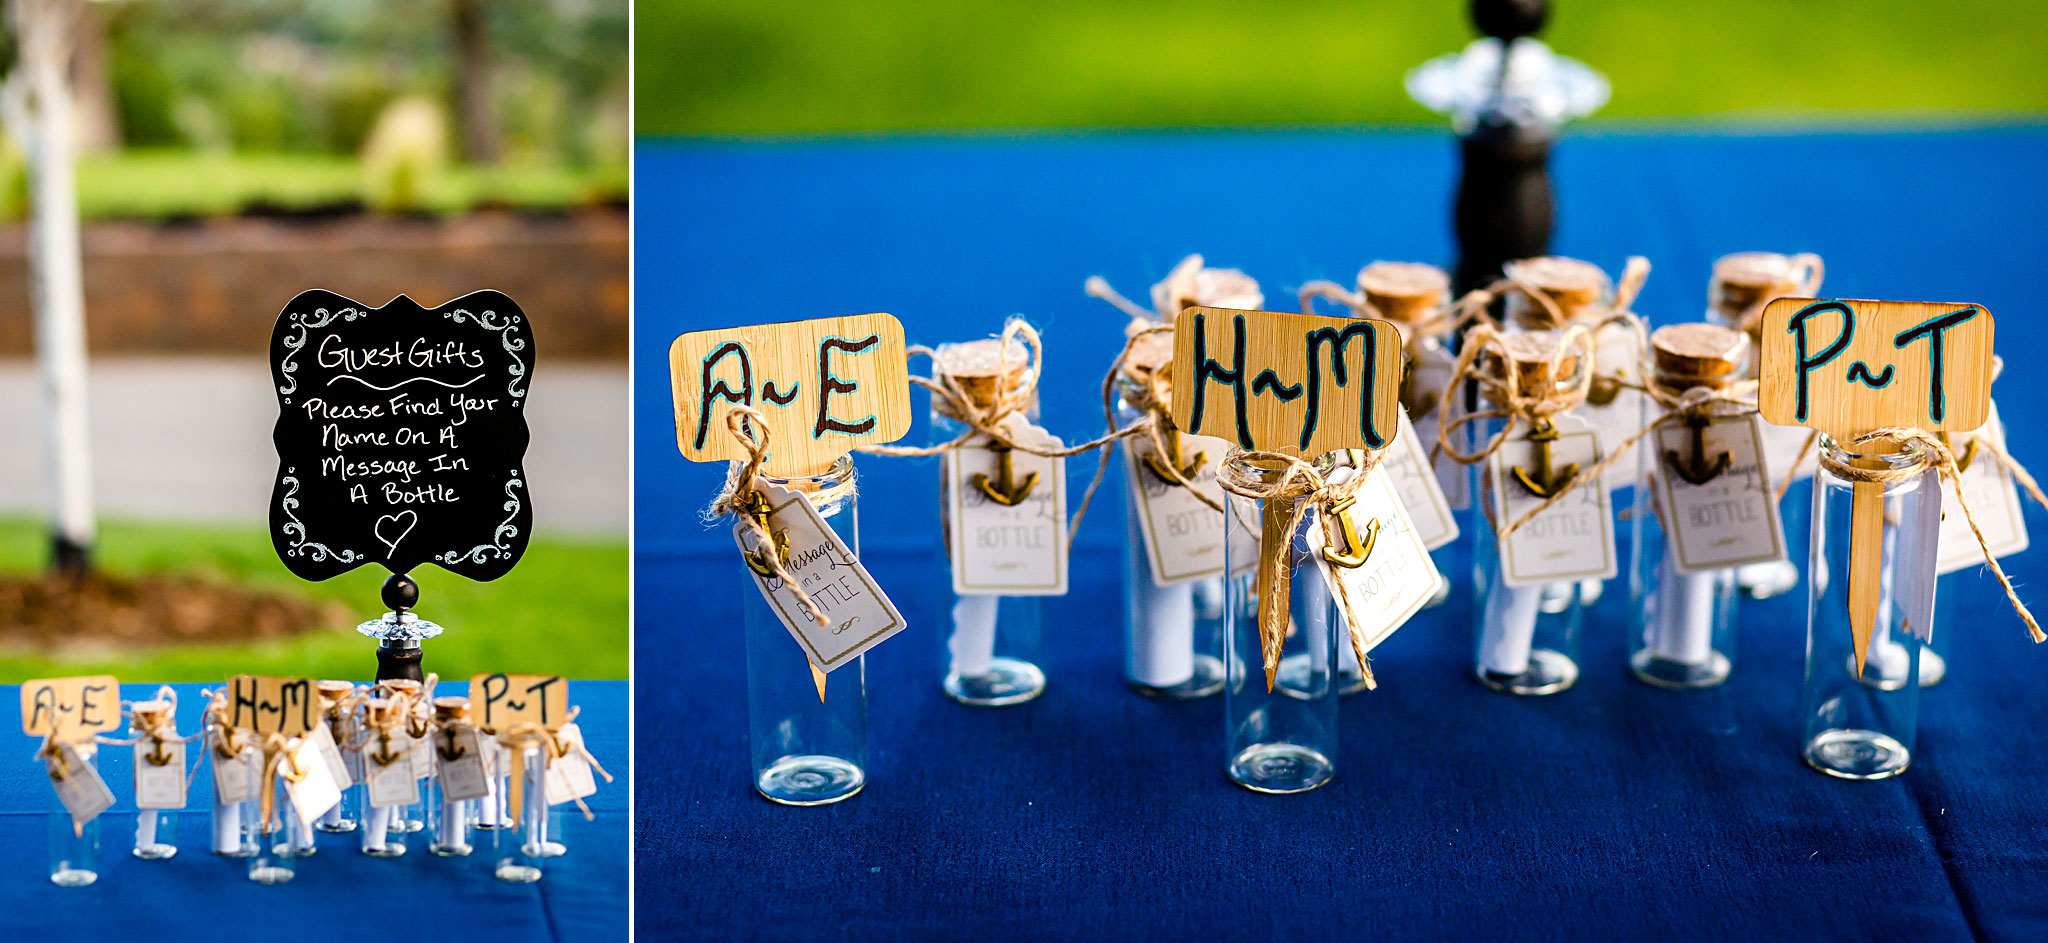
{"points": [[334, 695], [991, 653], [452, 818], [1281, 740], [156, 830], [806, 751], [1173, 635], [274, 859], [1860, 726], [74, 851], [235, 829], [156, 834], [519, 851], [385, 827]]}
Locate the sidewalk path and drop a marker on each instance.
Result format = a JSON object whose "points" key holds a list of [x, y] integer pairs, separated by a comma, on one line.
{"points": [[189, 438]]}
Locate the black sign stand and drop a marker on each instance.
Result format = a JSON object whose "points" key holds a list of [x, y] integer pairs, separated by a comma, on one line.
{"points": [[401, 437], [1504, 205]]}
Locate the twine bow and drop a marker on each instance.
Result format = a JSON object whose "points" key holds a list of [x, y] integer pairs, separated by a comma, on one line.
{"points": [[518, 737], [1286, 501], [1932, 454]]}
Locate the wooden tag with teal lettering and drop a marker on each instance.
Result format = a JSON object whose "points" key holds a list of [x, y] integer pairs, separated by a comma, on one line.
{"points": [[825, 386], [1299, 384]]}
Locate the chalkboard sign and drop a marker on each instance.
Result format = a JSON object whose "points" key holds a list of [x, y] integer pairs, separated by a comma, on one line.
{"points": [[401, 435]]}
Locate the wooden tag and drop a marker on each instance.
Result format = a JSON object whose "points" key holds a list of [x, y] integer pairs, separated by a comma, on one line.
{"points": [[826, 385], [71, 708], [1299, 384], [287, 706], [1851, 367], [502, 700]]}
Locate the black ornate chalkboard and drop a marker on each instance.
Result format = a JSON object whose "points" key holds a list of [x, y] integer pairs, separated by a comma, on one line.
{"points": [[401, 435]]}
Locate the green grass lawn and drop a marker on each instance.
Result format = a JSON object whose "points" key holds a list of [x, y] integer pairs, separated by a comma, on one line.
{"points": [[562, 610], [725, 66], [155, 184]]}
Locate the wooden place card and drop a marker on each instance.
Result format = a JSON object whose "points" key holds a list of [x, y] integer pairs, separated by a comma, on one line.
{"points": [[1851, 367], [1301, 384], [825, 386], [287, 706], [71, 708], [401, 435], [498, 701]]}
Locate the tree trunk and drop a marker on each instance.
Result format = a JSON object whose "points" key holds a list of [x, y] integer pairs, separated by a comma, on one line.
{"points": [[473, 82], [98, 124]]}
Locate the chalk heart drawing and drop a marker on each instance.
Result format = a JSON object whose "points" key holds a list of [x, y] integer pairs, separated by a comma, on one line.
{"points": [[392, 528]]}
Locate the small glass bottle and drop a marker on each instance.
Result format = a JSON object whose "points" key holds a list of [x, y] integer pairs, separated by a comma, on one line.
{"points": [[990, 657], [452, 818], [1861, 725], [384, 754], [234, 823], [1683, 624], [806, 751], [1281, 739], [74, 849], [274, 860], [156, 830], [520, 850], [335, 698], [1741, 284], [1173, 635], [1527, 636]]}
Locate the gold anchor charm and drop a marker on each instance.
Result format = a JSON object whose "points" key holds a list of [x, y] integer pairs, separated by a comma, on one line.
{"points": [[1695, 468], [1964, 457], [1546, 481], [384, 756], [453, 751], [757, 559], [1354, 552], [1006, 489], [1604, 390], [156, 755], [1173, 461]]}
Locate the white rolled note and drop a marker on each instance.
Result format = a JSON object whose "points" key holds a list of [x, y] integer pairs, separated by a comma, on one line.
{"points": [[453, 823], [145, 828], [1684, 631], [1510, 627], [1161, 653], [298, 833], [487, 808], [227, 828], [973, 645], [377, 821]]}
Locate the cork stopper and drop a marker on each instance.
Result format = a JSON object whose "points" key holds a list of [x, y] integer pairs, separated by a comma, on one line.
{"points": [[452, 708], [1570, 284], [147, 715], [383, 711], [333, 690], [1150, 355], [398, 687], [1529, 353], [1192, 283], [1403, 292], [978, 367], [1691, 355], [1744, 281]]}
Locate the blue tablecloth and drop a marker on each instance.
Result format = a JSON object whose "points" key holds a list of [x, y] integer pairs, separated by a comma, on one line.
{"points": [[339, 893], [1613, 810]]}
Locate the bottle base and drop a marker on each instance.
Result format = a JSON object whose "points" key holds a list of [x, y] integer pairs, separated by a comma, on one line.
{"points": [[271, 875], [450, 851], [342, 827], [809, 780], [1206, 680], [1857, 754], [156, 852], [1280, 768], [1548, 673], [73, 877], [1765, 580], [287, 851], [1007, 681], [1651, 668], [1933, 668], [517, 873], [246, 851], [388, 851]]}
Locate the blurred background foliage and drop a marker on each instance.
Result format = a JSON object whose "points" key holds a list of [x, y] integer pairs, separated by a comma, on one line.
{"points": [[742, 66], [208, 107]]}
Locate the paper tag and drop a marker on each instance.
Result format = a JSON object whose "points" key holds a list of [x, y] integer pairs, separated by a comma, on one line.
{"points": [[1018, 549], [859, 615], [423, 756], [1731, 520], [569, 776], [79, 786], [497, 757], [234, 780], [1786, 451], [390, 783], [160, 774], [1994, 499], [1407, 465], [1396, 578], [1616, 355], [1920, 517], [462, 763], [1574, 539], [330, 755], [1455, 479], [1183, 537], [315, 792]]}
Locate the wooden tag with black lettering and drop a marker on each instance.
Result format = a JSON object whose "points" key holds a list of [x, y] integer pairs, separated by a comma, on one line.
{"points": [[825, 386], [401, 435], [1850, 367], [286, 706], [501, 700], [1300, 384], [71, 708]]}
